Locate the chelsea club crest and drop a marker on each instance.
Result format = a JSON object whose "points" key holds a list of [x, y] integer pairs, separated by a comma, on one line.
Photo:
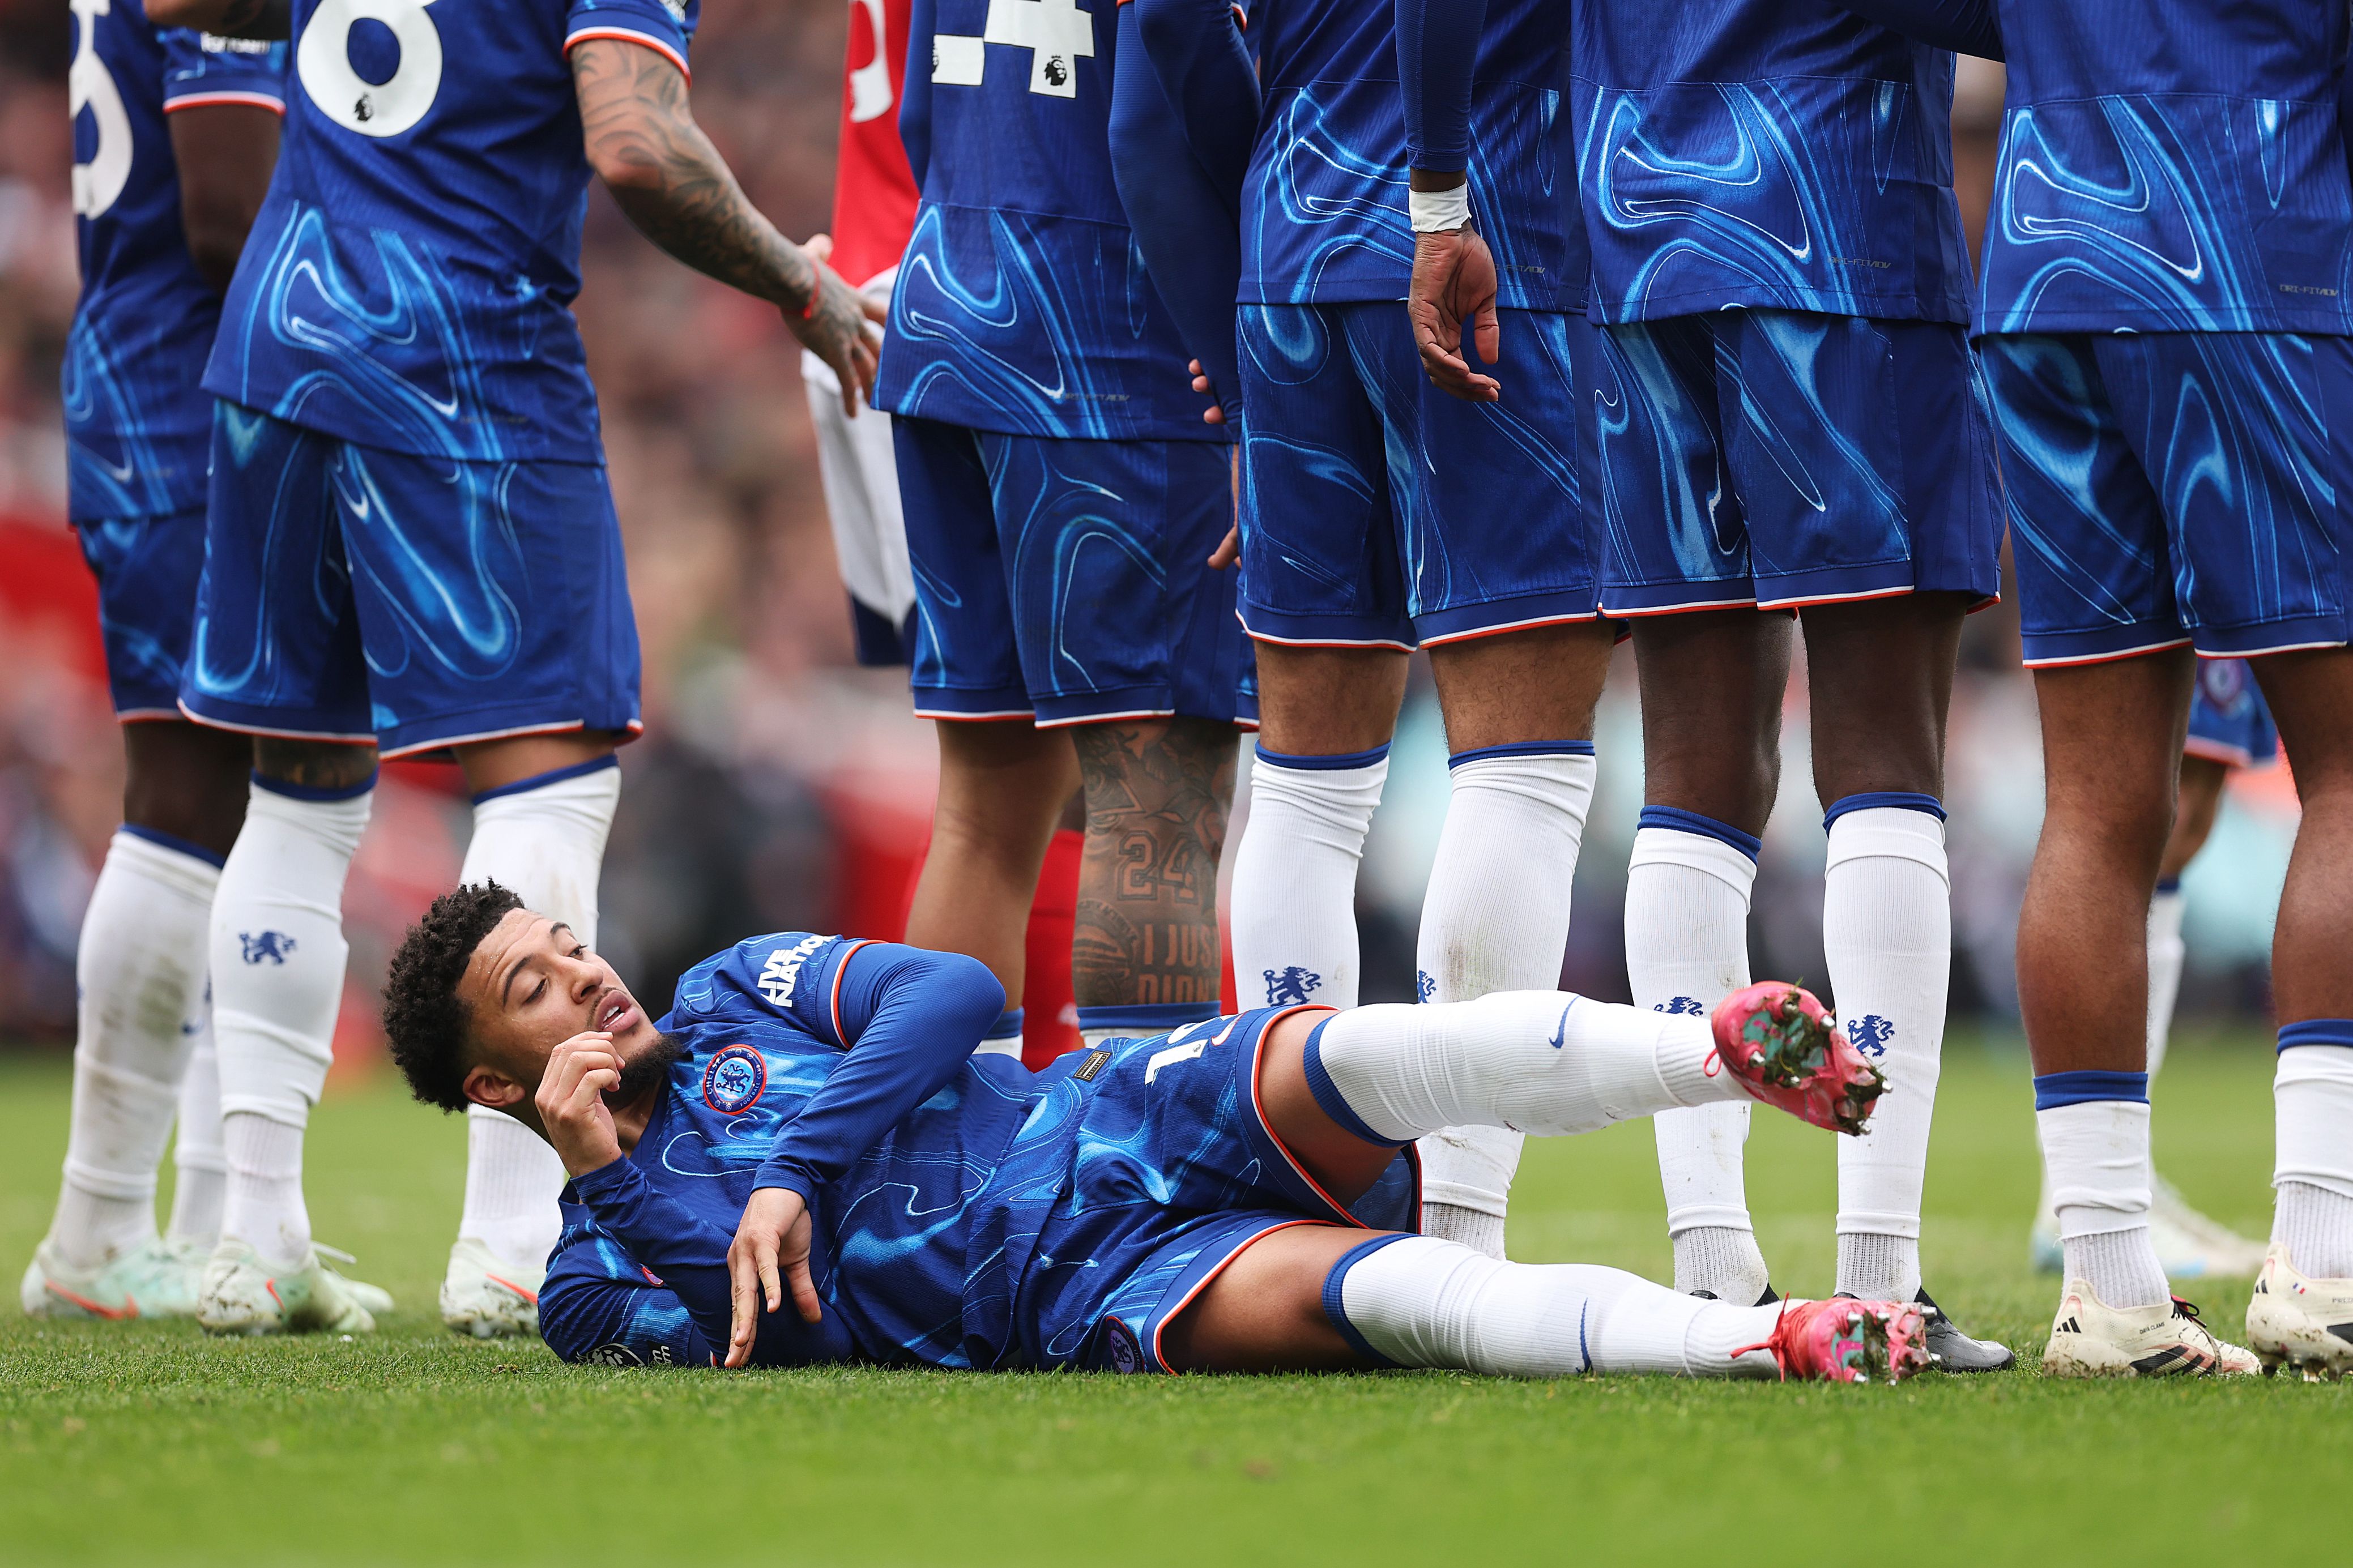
{"points": [[735, 1080]]}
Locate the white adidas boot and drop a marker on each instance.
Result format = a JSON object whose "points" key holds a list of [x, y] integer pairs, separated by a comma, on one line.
{"points": [[2297, 1321]]}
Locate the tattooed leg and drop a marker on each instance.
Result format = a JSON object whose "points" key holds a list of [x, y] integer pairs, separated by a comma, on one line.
{"points": [[1157, 794]]}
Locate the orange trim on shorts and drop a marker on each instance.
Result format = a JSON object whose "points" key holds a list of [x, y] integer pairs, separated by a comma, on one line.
{"points": [[1207, 1280]]}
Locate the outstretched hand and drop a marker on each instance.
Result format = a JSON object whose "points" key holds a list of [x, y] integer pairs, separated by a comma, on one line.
{"points": [[1453, 282], [770, 1253], [835, 327]]}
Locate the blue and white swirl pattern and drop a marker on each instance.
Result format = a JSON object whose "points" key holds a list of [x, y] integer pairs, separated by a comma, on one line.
{"points": [[2176, 212], [1705, 194], [373, 335], [1031, 324]]}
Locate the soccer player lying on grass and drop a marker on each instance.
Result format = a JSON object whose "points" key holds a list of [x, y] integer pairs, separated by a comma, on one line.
{"points": [[810, 1121]]}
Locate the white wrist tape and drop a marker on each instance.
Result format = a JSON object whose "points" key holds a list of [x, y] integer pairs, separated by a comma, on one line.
{"points": [[1436, 211]]}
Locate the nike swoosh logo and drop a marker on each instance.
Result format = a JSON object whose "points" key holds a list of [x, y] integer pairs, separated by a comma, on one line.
{"points": [[1560, 1031]]}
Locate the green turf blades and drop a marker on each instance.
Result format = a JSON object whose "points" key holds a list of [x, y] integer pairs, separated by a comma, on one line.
{"points": [[140, 1444]]}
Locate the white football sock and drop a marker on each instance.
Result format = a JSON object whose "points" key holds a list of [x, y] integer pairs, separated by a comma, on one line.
{"points": [[2096, 1153], [1687, 892], [1541, 1061], [511, 1193], [264, 1190], [141, 973], [544, 838], [196, 1152], [1294, 888], [2167, 955], [1495, 918], [2312, 1096], [278, 957], [1421, 1301], [1887, 931]]}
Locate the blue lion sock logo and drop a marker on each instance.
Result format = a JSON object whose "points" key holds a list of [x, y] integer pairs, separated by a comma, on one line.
{"points": [[1424, 987], [274, 945], [1291, 986], [1869, 1034], [1680, 1006]]}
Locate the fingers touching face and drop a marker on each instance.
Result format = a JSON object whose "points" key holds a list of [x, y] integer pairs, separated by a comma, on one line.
{"points": [[530, 985]]}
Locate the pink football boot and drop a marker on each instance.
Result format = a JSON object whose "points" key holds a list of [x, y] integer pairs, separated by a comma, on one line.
{"points": [[1846, 1341], [1786, 1051]]}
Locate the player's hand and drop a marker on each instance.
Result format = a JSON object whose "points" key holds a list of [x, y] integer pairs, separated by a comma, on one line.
{"points": [[1216, 412], [571, 1101], [771, 1240], [1453, 282], [838, 328], [1228, 550]]}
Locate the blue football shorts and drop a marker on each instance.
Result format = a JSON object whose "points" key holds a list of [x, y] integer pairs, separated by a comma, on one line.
{"points": [[1380, 511], [146, 569], [1781, 458], [2176, 488], [2229, 720], [354, 594], [1173, 1172], [1065, 580]]}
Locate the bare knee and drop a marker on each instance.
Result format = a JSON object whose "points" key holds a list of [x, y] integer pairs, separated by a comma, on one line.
{"points": [[315, 764], [1003, 788], [1328, 702], [187, 781], [1712, 685], [1264, 1310], [1880, 680], [1540, 684]]}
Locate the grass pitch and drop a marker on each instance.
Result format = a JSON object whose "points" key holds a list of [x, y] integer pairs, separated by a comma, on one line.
{"points": [[151, 1444]]}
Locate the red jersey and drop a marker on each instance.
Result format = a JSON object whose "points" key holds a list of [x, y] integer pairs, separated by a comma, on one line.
{"points": [[873, 191]]}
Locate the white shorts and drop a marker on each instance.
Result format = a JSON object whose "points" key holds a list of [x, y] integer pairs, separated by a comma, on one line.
{"points": [[861, 474]]}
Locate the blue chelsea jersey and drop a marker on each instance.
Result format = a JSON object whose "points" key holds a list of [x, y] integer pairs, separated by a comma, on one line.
{"points": [[1766, 152], [2183, 171], [137, 420], [1323, 213], [409, 281], [1022, 305], [899, 1233]]}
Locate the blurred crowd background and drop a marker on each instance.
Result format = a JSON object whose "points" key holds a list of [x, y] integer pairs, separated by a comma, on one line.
{"points": [[778, 786]]}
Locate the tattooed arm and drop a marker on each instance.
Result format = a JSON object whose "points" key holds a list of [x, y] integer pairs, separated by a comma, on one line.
{"points": [[227, 18], [642, 140]]}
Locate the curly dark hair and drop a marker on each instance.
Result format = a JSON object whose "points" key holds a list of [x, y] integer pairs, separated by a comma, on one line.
{"points": [[423, 1016]]}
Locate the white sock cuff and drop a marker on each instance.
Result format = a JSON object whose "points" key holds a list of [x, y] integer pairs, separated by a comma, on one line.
{"points": [[1471, 1167], [2096, 1151], [183, 869], [1694, 851], [336, 818], [1894, 832], [589, 789], [542, 839], [1341, 787], [289, 1062], [1561, 780], [2166, 908], [2313, 1092]]}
